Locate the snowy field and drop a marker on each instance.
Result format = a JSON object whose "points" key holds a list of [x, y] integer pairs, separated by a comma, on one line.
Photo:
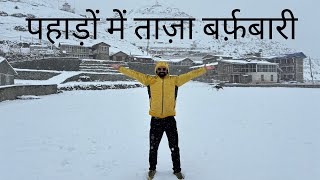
{"points": [[233, 134]]}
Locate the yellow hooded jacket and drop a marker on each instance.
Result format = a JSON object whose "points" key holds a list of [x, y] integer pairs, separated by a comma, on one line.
{"points": [[162, 91]]}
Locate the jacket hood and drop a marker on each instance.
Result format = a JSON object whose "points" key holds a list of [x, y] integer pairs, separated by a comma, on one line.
{"points": [[161, 64]]}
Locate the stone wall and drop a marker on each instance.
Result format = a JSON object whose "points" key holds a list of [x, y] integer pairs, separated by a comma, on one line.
{"points": [[35, 75], [58, 64], [100, 87], [11, 92], [100, 77]]}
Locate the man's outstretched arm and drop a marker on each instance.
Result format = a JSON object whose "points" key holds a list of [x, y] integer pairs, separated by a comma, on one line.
{"points": [[143, 78], [183, 78]]}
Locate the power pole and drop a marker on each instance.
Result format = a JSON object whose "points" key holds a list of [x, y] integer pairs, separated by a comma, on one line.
{"points": [[147, 47], [311, 70]]}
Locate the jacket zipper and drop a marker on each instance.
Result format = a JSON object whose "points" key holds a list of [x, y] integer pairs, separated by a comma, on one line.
{"points": [[162, 95]]}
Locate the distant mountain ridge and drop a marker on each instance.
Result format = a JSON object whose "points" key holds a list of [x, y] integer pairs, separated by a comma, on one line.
{"points": [[200, 40], [14, 27]]}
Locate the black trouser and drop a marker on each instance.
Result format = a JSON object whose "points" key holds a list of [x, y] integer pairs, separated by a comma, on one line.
{"points": [[158, 126]]}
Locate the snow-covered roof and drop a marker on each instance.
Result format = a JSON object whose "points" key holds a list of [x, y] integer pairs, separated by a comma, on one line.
{"points": [[298, 54], [210, 64], [222, 55], [142, 56], [159, 59], [94, 44], [270, 57], [38, 45], [2, 59], [156, 58], [248, 62], [172, 60], [73, 43], [115, 53], [178, 60], [198, 62], [209, 56], [86, 43]]}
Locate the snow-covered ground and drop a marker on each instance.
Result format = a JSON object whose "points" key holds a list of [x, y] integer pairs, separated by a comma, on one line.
{"points": [[71, 84], [231, 134], [61, 77]]}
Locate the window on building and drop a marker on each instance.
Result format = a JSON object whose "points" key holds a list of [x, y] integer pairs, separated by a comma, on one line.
{"points": [[236, 68], [290, 61], [262, 68], [290, 77], [252, 68], [119, 58], [270, 68], [262, 77], [228, 68], [284, 77], [7, 79], [271, 77], [244, 68]]}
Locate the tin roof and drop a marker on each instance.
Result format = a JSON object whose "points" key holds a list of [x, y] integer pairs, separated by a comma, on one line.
{"points": [[248, 62]]}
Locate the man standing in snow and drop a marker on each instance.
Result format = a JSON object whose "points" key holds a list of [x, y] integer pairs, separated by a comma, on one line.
{"points": [[163, 89]]}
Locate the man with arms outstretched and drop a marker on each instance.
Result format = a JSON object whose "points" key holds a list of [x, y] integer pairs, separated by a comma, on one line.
{"points": [[163, 89]]}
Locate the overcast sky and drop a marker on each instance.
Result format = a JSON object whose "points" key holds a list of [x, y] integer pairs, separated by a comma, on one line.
{"points": [[308, 12]]}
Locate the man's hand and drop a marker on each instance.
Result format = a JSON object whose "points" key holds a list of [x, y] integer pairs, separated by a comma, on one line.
{"points": [[209, 67], [116, 66]]}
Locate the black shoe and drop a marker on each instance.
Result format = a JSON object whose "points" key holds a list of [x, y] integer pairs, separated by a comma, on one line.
{"points": [[151, 174], [179, 175]]}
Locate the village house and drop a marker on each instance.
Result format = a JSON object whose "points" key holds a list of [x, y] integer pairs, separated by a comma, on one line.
{"points": [[120, 56], [247, 71], [7, 73], [170, 51], [101, 51], [96, 51], [142, 59], [75, 50], [39, 50], [181, 61], [214, 58], [291, 66]]}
